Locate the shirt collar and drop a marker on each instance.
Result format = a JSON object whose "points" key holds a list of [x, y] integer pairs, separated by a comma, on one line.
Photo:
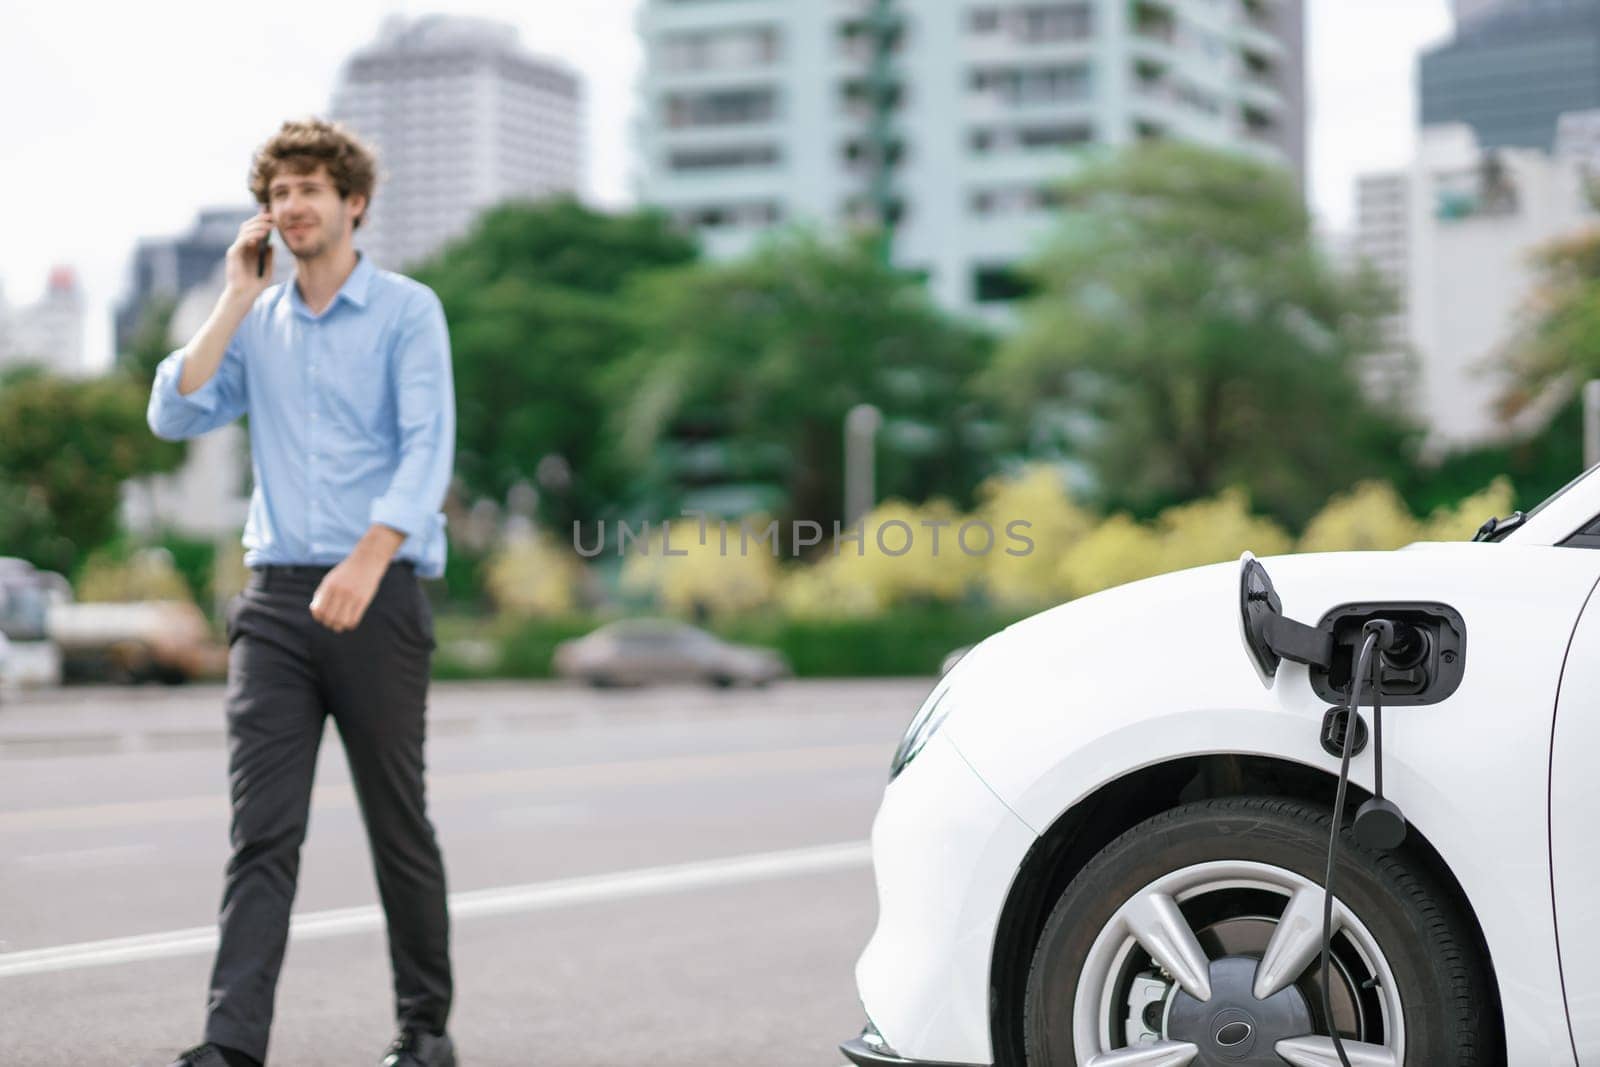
{"points": [[354, 289]]}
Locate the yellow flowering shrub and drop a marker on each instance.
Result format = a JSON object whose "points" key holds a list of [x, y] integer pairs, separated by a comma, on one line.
{"points": [[1121, 550], [706, 579], [906, 554], [531, 575], [1036, 496], [1462, 521], [1371, 516]]}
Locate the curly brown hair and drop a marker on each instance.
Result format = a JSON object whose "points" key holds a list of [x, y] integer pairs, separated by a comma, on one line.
{"points": [[301, 145]]}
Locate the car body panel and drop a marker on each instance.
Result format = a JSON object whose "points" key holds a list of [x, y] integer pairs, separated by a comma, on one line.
{"points": [[945, 851], [1574, 838], [1153, 671]]}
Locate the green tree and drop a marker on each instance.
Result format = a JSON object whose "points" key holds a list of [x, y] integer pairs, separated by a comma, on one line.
{"points": [[1186, 325], [1559, 344], [152, 341], [764, 357], [533, 298], [66, 447]]}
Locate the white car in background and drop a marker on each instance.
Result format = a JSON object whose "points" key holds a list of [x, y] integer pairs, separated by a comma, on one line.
{"points": [[646, 651], [1106, 836]]}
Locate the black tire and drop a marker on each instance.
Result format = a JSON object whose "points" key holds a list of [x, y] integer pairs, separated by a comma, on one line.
{"points": [[1445, 989]]}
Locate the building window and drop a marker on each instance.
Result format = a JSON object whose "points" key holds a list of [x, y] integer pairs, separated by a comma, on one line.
{"points": [[731, 49], [1052, 22], [860, 40], [1033, 23], [729, 157], [1014, 200], [726, 107], [1000, 284], [858, 98], [859, 155], [748, 215], [1032, 85], [986, 140]]}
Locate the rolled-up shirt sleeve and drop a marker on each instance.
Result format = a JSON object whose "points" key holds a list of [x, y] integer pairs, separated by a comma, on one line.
{"points": [[425, 406], [173, 416]]}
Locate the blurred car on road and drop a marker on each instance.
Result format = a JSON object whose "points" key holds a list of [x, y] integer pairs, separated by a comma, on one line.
{"points": [[641, 651], [155, 640], [26, 594]]}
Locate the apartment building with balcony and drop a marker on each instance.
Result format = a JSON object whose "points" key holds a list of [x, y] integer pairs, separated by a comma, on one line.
{"points": [[952, 121]]}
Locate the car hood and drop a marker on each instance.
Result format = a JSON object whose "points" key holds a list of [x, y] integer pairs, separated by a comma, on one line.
{"points": [[1176, 641]]}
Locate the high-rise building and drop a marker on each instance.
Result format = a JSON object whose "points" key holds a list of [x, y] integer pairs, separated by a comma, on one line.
{"points": [[950, 120], [165, 268], [49, 332], [1470, 10], [1458, 231], [1511, 68], [1382, 241], [463, 118]]}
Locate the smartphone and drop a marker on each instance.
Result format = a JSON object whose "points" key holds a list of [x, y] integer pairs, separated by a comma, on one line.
{"points": [[261, 255]]}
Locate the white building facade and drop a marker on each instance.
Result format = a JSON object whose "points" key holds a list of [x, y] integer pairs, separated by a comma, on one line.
{"points": [[49, 332], [953, 119], [463, 118], [1457, 234]]}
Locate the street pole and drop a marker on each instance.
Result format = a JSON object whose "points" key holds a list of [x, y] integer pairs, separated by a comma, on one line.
{"points": [[1591, 423], [861, 425]]}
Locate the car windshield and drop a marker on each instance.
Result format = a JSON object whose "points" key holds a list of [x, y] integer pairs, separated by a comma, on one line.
{"points": [[1496, 528]]}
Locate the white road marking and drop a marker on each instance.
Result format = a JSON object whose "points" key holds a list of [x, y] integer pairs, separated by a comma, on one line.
{"points": [[82, 858], [533, 896], [661, 770]]}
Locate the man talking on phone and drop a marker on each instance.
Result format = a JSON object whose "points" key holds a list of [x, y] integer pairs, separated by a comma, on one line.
{"points": [[345, 374]]}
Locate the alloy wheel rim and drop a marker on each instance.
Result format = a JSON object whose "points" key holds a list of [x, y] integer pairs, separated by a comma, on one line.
{"points": [[1254, 932]]}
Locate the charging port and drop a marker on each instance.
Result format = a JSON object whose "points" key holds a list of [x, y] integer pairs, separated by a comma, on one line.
{"points": [[1425, 667]]}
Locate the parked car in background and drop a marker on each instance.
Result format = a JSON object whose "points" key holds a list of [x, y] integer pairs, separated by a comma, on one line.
{"points": [[951, 658], [156, 640], [641, 651], [26, 594]]}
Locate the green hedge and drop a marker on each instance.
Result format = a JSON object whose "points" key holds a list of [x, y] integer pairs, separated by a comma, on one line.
{"points": [[899, 643]]}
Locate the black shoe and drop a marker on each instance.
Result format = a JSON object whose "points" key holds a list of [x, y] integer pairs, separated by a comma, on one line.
{"points": [[205, 1055], [415, 1048]]}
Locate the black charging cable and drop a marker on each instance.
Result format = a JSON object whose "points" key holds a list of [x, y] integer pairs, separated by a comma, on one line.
{"points": [[1376, 633]]}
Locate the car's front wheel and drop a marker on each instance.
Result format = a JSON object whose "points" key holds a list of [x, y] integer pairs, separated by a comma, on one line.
{"points": [[1194, 940]]}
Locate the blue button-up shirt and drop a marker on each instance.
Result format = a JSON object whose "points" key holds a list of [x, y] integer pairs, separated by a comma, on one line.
{"points": [[352, 418]]}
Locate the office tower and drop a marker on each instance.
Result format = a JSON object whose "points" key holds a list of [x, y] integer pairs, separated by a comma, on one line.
{"points": [[1382, 241], [1458, 232], [463, 118], [1511, 68], [949, 120], [166, 268], [1470, 10]]}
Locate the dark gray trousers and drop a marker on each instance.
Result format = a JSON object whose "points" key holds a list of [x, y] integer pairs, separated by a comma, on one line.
{"points": [[286, 672]]}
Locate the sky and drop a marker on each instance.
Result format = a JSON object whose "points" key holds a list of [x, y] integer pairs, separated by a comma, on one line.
{"points": [[122, 120]]}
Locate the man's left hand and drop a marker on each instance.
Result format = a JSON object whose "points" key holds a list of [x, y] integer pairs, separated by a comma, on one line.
{"points": [[342, 598]]}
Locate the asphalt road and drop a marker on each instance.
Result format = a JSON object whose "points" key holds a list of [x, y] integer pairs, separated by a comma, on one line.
{"points": [[669, 876]]}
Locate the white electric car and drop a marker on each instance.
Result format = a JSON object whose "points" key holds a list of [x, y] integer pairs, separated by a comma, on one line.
{"points": [[1105, 840]]}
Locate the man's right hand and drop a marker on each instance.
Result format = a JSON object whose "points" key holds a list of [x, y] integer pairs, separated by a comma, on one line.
{"points": [[243, 254]]}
